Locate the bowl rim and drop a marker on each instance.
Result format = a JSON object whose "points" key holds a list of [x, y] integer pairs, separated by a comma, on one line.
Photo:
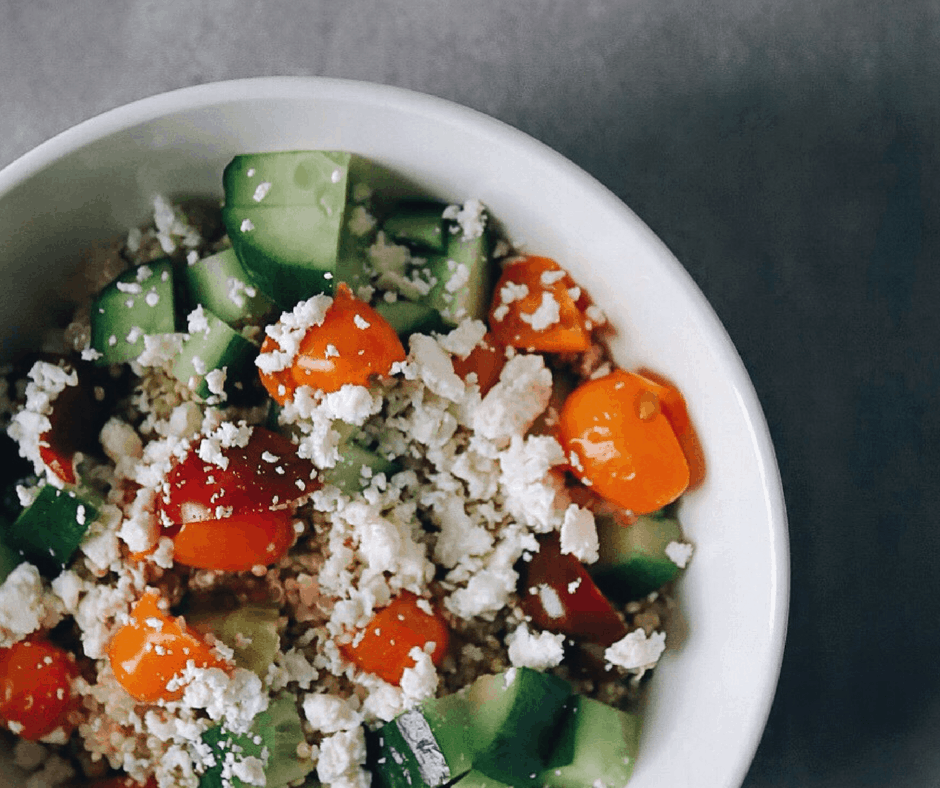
{"points": [[142, 110]]}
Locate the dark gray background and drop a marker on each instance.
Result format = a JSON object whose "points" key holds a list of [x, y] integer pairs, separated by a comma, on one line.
{"points": [[786, 151]]}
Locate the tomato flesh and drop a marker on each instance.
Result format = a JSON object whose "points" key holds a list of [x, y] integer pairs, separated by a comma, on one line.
{"points": [[560, 596], [35, 688]]}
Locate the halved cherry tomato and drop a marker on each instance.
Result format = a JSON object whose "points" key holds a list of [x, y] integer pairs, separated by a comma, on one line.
{"points": [[239, 516], [529, 287], [353, 343], [36, 688], [385, 645], [153, 648], [487, 360], [621, 445], [674, 409], [560, 596]]}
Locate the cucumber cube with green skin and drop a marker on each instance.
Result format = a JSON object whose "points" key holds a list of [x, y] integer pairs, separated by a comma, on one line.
{"points": [[598, 745], [288, 178], [221, 284], [347, 473], [425, 747], [284, 213], [251, 631], [49, 531], [273, 739], [218, 347], [515, 720], [411, 317], [138, 302], [632, 560], [463, 279], [418, 224]]}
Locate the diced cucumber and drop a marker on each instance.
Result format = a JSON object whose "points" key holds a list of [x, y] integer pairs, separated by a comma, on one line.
{"points": [[411, 317], [418, 224], [140, 301], [292, 178], [347, 473], [598, 745], [48, 531], [273, 738], [515, 720], [476, 779], [284, 213], [219, 347], [425, 747], [250, 631], [632, 559], [221, 284], [9, 559], [463, 279]]}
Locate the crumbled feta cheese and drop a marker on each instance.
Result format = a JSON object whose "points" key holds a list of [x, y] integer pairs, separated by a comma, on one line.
{"points": [[579, 534], [636, 652], [680, 553], [25, 605], [330, 713], [470, 218], [537, 651], [547, 314]]}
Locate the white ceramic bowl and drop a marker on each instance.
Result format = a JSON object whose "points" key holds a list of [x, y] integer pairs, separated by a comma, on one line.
{"points": [[710, 698]]}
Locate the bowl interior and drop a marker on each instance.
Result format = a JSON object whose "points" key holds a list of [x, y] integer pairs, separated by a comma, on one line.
{"points": [[710, 697]]}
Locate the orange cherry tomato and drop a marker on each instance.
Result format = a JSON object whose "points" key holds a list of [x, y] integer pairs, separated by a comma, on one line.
{"points": [[153, 648], [36, 688], [353, 343], [674, 409], [619, 443], [560, 596], [486, 360], [529, 287], [385, 645]]}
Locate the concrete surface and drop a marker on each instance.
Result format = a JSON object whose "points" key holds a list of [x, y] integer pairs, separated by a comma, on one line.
{"points": [[787, 152]]}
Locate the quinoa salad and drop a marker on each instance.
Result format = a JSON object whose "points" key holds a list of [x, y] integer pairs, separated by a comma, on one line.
{"points": [[326, 487]]}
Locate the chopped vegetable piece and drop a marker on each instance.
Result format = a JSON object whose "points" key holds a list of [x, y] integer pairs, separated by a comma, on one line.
{"points": [[559, 594], [356, 467], [597, 746], [264, 474], [284, 214], [250, 539], [633, 560], [418, 224], [50, 529], [515, 720], [463, 279], [485, 361], [153, 648], [251, 631], [221, 284], [36, 688], [534, 307], [385, 645], [218, 347], [138, 302], [620, 444], [411, 317], [273, 739], [676, 412], [353, 343], [9, 559]]}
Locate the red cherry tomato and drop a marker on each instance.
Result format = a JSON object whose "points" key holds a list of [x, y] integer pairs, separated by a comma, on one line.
{"points": [[560, 596], [36, 688]]}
